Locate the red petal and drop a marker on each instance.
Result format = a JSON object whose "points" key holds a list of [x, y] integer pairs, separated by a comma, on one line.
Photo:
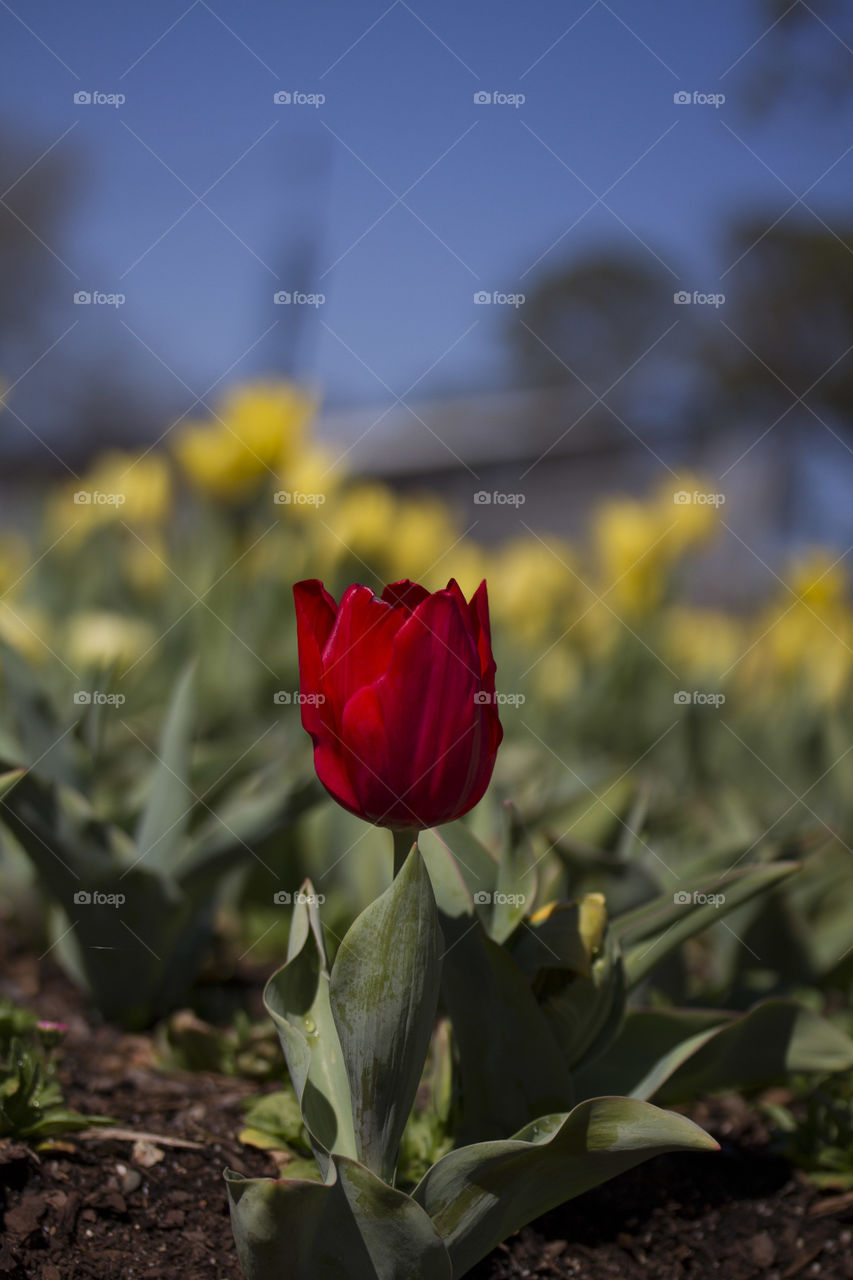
{"points": [[479, 610], [359, 648], [418, 739], [406, 594], [315, 617]]}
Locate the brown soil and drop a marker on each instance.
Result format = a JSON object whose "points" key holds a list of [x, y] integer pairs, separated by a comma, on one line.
{"points": [[108, 1208]]}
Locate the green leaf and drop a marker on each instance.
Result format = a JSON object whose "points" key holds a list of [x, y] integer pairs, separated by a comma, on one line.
{"points": [[657, 928], [354, 1227], [515, 889], [563, 935], [384, 994], [511, 1067], [163, 822], [478, 1195], [585, 1012], [650, 1046], [39, 735], [675, 1054], [297, 1000], [461, 869]]}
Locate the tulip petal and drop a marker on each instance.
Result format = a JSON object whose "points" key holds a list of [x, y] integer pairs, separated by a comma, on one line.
{"points": [[406, 594], [359, 647], [479, 610], [417, 737], [315, 617]]}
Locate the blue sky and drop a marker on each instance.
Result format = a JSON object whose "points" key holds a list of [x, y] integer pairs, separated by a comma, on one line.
{"points": [[491, 195]]}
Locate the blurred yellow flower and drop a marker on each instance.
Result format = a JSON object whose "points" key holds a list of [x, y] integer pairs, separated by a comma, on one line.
{"points": [[690, 510], [309, 481], [135, 489], [556, 677], [257, 433], [27, 630], [629, 539], [818, 578], [422, 541], [16, 557], [146, 564], [703, 642], [638, 542], [809, 642], [99, 638], [468, 563], [362, 523], [531, 585]]}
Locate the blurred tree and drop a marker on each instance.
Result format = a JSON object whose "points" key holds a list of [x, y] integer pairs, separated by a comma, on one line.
{"points": [[789, 322], [805, 56], [608, 321], [36, 192]]}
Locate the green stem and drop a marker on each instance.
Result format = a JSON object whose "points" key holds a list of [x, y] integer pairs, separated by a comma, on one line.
{"points": [[403, 841]]}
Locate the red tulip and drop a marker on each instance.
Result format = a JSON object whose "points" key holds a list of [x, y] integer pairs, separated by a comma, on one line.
{"points": [[398, 695]]}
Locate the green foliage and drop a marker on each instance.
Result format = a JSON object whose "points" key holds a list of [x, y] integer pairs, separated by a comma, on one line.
{"points": [[152, 895], [31, 1102], [355, 1037], [246, 1049], [817, 1133]]}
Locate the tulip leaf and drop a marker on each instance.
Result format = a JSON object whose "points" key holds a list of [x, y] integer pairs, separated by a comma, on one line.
{"points": [[297, 1000], [478, 1195], [463, 872], [384, 994], [652, 931], [564, 935], [515, 889], [585, 1013], [163, 821], [674, 1054], [511, 1067], [354, 1226], [39, 734]]}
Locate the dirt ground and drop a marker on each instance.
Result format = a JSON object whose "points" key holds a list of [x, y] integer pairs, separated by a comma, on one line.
{"points": [[120, 1208]]}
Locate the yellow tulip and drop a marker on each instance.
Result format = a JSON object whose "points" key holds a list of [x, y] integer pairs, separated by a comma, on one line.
{"points": [[703, 642], [27, 630], [362, 524], [99, 638], [310, 481], [134, 489], [531, 586], [258, 431], [421, 546]]}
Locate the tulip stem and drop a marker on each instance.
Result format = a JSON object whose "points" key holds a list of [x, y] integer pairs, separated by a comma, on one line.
{"points": [[403, 841]]}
